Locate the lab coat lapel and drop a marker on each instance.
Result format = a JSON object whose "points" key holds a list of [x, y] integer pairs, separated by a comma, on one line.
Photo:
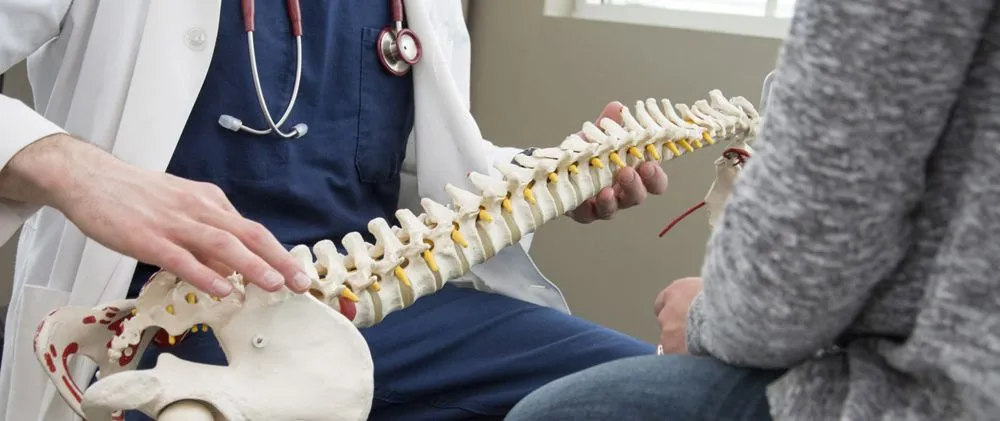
{"points": [[178, 40], [173, 59], [449, 145], [448, 141]]}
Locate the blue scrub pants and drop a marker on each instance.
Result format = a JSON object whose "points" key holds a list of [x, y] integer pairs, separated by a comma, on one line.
{"points": [[653, 387], [460, 354]]}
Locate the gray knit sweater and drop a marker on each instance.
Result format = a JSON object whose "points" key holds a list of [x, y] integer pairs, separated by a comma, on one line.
{"points": [[869, 217]]}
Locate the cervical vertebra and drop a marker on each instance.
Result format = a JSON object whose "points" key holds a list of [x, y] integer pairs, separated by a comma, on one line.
{"points": [[364, 285]]}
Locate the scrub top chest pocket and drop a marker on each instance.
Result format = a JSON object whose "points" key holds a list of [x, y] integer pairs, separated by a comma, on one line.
{"points": [[385, 115]]}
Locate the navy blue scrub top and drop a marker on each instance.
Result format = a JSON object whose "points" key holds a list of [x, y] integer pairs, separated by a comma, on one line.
{"points": [[345, 170]]}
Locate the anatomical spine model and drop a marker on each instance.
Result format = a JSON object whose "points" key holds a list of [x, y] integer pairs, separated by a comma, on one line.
{"points": [[301, 356]]}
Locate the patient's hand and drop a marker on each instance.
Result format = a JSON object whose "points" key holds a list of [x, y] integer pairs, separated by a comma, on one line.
{"points": [[671, 308]]}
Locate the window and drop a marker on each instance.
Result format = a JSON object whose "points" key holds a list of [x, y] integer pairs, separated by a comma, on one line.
{"points": [[761, 18]]}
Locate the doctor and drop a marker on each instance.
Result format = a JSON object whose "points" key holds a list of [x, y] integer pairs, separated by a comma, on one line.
{"points": [[129, 162]]}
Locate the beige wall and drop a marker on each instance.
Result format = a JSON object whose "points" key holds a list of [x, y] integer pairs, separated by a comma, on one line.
{"points": [[536, 79]]}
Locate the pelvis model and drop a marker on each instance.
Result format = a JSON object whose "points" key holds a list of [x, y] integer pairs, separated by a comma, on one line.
{"points": [[301, 356]]}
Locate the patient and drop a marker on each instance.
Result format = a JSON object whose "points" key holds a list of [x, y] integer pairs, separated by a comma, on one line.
{"points": [[853, 274]]}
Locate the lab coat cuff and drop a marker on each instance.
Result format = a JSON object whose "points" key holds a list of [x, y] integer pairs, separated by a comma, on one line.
{"points": [[21, 127], [12, 216]]}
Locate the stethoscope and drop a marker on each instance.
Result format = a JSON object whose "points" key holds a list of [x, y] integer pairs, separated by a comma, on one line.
{"points": [[398, 50]]}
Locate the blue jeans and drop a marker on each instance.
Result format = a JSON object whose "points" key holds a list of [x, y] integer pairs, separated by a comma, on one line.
{"points": [[654, 387], [460, 354]]}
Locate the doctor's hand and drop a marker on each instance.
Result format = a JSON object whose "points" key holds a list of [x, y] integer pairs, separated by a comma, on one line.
{"points": [[631, 187], [185, 227]]}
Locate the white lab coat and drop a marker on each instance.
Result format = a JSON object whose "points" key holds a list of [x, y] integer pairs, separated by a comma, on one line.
{"points": [[124, 75]]}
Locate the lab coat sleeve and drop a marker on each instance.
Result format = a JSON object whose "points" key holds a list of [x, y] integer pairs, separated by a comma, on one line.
{"points": [[25, 25], [499, 153], [21, 126]]}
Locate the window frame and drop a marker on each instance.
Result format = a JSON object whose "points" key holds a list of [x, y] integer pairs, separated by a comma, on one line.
{"points": [[767, 26]]}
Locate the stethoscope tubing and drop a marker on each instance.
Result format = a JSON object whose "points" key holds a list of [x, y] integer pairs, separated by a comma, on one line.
{"points": [[299, 129], [394, 62]]}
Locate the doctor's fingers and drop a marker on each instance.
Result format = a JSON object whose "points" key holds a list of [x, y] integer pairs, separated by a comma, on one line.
{"points": [[239, 243], [250, 249], [606, 203], [220, 268], [184, 264], [629, 189], [632, 187], [602, 206], [654, 179]]}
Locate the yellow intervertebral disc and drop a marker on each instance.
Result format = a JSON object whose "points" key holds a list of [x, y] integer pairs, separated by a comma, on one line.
{"points": [[616, 159], [429, 258], [348, 294], [401, 275], [673, 148], [708, 138], [653, 152], [484, 215], [458, 238], [506, 205], [529, 195]]}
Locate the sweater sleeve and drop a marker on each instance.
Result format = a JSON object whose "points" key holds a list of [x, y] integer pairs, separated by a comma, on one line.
{"points": [[819, 215]]}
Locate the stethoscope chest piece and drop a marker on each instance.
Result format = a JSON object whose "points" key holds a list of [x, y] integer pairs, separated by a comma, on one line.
{"points": [[398, 49]]}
